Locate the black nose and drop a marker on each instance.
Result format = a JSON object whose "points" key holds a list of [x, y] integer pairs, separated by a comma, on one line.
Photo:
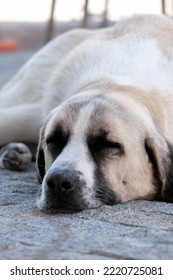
{"points": [[61, 179]]}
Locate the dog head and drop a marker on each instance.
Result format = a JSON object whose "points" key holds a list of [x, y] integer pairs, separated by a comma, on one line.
{"points": [[101, 149]]}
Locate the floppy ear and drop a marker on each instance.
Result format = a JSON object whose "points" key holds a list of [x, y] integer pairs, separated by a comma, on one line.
{"points": [[40, 160], [160, 153]]}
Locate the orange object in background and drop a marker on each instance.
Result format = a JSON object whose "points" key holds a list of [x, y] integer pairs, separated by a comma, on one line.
{"points": [[8, 45]]}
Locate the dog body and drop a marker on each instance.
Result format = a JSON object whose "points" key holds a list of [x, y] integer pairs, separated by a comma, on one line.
{"points": [[104, 101]]}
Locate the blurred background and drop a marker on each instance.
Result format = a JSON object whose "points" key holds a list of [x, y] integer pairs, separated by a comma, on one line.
{"points": [[26, 25]]}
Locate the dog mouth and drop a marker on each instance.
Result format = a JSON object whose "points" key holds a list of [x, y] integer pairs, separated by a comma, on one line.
{"points": [[75, 203], [62, 191], [65, 192], [60, 208], [54, 205]]}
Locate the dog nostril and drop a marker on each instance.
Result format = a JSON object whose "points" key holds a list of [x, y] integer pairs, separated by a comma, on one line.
{"points": [[61, 180], [50, 184], [67, 186]]}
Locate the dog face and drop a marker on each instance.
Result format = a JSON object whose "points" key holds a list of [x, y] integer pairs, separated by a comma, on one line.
{"points": [[98, 150]]}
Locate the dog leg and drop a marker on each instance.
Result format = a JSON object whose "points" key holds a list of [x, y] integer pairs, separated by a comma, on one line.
{"points": [[20, 124]]}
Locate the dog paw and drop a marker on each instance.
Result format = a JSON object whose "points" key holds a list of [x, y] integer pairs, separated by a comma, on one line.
{"points": [[15, 156]]}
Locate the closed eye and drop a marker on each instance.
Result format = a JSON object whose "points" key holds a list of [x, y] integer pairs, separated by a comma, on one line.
{"points": [[101, 145], [56, 141]]}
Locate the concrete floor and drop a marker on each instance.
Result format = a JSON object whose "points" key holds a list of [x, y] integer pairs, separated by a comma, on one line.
{"points": [[134, 230]]}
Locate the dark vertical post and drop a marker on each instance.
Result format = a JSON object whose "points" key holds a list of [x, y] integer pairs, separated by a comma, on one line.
{"points": [[163, 7], [105, 12], [85, 13], [50, 23]]}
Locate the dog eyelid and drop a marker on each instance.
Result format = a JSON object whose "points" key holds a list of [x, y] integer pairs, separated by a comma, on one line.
{"points": [[108, 144], [56, 141], [100, 144]]}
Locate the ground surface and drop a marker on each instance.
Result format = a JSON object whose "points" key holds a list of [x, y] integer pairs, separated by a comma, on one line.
{"points": [[135, 230]]}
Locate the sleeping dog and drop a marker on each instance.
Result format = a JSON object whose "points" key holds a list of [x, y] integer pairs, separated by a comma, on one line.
{"points": [[104, 102]]}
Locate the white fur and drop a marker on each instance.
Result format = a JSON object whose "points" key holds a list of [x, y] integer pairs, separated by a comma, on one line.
{"points": [[126, 61]]}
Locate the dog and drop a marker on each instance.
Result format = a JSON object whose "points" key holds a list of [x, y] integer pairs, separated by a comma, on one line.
{"points": [[104, 102]]}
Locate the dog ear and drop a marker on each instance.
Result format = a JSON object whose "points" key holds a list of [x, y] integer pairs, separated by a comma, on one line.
{"points": [[167, 190], [40, 160], [160, 154]]}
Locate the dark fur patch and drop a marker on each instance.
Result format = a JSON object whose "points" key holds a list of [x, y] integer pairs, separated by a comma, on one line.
{"points": [[157, 181], [101, 147], [103, 192], [167, 193], [40, 160], [56, 141], [162, 182], [40, 164]]}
